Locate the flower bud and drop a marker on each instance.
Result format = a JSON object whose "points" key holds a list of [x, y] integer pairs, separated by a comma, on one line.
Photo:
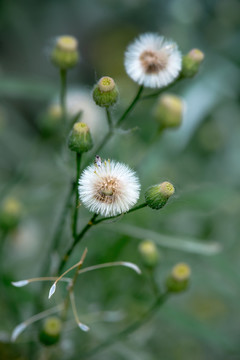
{"points": [[10, 214], [105, 92], [179, 278], [149, 253], [169, 111], [191, 63], [156, 196], [51, 331], [65, 53], [50, 120], [80, 139]]}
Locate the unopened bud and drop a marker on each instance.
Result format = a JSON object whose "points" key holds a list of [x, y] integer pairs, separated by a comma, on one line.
{"points": [[156, 196], [80, 139], [50, 120], [51, 331], [10, 214], [149, 253], [169, 111], [179, 278], [191, 63], [105, 92], [65, 53]]}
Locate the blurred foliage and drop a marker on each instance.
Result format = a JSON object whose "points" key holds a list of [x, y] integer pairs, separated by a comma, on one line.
{"points": [[200, 226]]}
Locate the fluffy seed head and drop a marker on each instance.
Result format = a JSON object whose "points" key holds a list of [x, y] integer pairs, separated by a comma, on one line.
{"points": [[152, 61], [109, 189]]}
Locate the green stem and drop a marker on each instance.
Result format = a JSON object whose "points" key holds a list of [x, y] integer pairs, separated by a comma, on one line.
{"points": [[110, 132], [116, 216], [131, 106], [109, 119], [75, 214], [59, 229], [77, 239], [131, 328], [63, 91], [158, 92]]}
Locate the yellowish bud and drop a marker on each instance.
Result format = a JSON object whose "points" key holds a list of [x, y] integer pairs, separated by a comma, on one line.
{"points": [[80, 139], [156, 196], [169, 111], [51, 331], [10, 214], [65, 53], [105, 92], [191, 63], [149, 253], [179, 278]]}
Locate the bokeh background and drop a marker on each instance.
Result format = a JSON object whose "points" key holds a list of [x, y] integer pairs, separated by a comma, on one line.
{"points": [[199, 226]]}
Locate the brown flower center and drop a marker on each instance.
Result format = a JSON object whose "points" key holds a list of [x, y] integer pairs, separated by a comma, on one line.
{"points": [[106, 190], [154, 61]]}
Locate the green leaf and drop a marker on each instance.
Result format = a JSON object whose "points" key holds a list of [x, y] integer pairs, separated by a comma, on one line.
{"points": [[184, 244]]}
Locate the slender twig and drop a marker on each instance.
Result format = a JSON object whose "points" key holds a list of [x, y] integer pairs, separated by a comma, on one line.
{"points": [[116, 216], [77, 239], [131, 328], [75, 213]]}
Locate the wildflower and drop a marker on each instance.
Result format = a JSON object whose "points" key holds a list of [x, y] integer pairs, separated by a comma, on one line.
{"points": [[153, 61], [65, 53], [80, 139], [51, 331], [109, 189], [149, 253], [192, 62]]}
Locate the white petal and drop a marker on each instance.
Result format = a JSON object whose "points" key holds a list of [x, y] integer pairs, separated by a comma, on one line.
{"points": [[83, 327]]}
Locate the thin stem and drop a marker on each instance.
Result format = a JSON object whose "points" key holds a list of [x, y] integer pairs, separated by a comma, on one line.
{"points": [[75, 213], [110, 133], [77, 239], [116, 216], [131, 106], [63, 91], [59, 230], [109, 119], [131, 328], [158, 92]]}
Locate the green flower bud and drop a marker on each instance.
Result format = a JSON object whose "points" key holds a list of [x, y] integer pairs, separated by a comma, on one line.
{"points": [[50, 120], [65, 53], [191, 63], [51, 331], [149, 253], [80, 139], [156, 196], [105, 92], [10, 214], [169, 111], [178, 280]]}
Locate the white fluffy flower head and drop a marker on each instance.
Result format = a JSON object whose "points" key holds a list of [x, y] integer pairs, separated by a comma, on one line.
{"points": [[153, 61], [108, 188]]}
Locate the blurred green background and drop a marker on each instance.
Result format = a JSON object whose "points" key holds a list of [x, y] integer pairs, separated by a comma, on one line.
{"points": [[200, 225]]}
